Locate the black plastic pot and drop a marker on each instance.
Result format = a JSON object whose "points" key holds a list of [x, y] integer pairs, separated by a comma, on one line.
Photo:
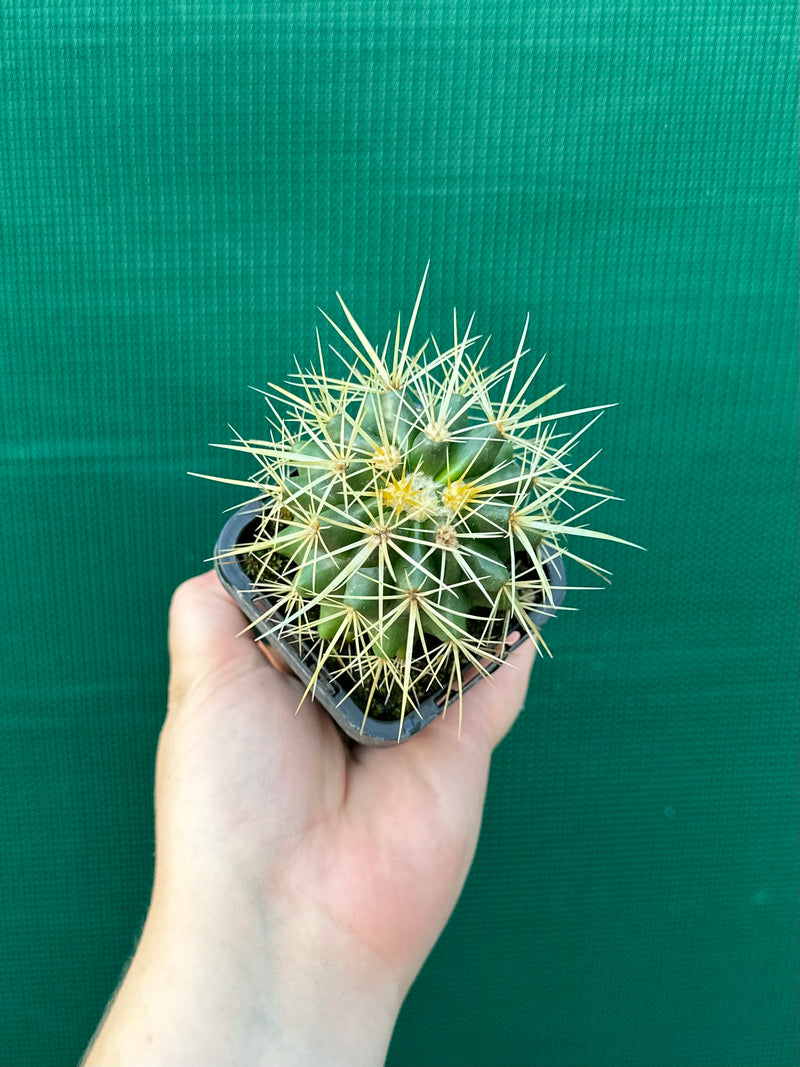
{"points": [[239, 530]]}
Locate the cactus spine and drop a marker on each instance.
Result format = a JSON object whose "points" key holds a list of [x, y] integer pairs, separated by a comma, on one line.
{"points": [[409, 500]]}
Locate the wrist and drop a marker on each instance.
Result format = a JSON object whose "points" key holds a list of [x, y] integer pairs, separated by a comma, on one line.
{"points": [[209, 987]]}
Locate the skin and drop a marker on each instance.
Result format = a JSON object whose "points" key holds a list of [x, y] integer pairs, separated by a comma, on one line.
{"points": [[300, 884]]}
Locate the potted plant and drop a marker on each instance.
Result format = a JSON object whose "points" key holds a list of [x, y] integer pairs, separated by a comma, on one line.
{"points": [[405, 529]]}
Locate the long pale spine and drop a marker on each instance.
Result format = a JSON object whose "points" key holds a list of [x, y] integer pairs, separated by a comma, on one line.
{"points": [[409, 502]]}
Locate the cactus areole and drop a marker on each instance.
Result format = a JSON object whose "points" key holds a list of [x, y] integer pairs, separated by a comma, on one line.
{"points": [[407, 524]]}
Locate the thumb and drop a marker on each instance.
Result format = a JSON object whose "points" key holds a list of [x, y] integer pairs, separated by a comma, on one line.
{"points": [[487, 712], [492, 705]]}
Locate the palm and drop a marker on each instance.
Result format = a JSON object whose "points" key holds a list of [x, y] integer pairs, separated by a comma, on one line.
{"points": [[377, 841]]}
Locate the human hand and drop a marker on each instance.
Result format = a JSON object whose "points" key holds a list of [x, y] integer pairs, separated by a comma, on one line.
{"points": [[300, 884]]}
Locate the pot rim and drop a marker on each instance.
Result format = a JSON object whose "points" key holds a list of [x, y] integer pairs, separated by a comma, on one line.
{"points": [[347, 714]]}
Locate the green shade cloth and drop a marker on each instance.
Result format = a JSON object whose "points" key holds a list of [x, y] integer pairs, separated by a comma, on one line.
{"points": [[180, 185]]}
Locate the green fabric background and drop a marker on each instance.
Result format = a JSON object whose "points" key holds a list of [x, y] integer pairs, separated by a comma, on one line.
{"points": [[180, 185]]}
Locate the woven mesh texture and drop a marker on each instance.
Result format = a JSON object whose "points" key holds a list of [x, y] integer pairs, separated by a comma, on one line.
{"points": [[180, 186]]}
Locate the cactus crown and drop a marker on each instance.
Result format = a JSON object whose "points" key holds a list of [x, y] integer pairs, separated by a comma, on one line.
{"points": [[409, 502]]}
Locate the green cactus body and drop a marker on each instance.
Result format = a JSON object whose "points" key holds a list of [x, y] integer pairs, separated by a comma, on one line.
{"points": [[407, 503]]}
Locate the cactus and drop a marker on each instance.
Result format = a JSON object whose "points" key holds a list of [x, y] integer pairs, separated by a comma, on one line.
{"points": [[409, 500]]}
